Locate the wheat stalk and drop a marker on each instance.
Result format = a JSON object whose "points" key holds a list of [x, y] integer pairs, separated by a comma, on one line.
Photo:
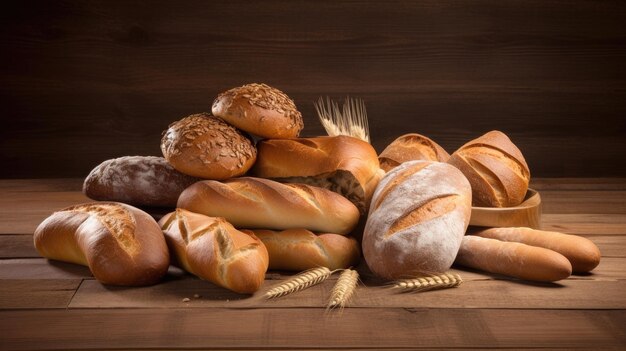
{"points": [[300, 282], [351, 120], [442, 281], [344, 289]]}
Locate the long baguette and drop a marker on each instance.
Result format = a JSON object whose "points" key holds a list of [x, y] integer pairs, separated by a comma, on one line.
{"points": [[513, 259], [582, 253]]}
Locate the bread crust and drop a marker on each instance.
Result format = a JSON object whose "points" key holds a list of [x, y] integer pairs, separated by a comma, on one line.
{"points": [[120, 244], [205, 146], [411, 147], [495, 168], [259, 109], [418, 216], [212, 249]]}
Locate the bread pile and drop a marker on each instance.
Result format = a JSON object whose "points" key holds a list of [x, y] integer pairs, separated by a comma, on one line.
{"points": [[240, 208]]}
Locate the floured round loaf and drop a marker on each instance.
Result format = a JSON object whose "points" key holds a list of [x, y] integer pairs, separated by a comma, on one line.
{"points": [[495, 168], [137, 180], [411, 147], [418, 216], [259, 109], [121, 244], [343, 164], [204, 146]]}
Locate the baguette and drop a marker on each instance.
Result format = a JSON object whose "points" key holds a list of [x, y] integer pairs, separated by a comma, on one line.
{"points": [[300, 249], [513, 259], [582, 253], [214, 250], [120, 244], [261, 203]]}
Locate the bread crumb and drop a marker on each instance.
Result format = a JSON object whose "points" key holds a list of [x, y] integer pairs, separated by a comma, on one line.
{"points": [[196, 296], [186, 299]]}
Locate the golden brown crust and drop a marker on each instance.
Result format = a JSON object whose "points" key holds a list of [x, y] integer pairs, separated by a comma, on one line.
{"points": [[259, 109], [205, 146], [301, 249], [214, 250], [410, 147], [261, 203], [495, 168], [343, 164], [120, 244]]}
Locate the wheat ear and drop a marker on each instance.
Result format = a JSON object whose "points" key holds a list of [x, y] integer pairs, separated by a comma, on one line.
{"points": [[344, 289], [442, 281], [300, 282]]}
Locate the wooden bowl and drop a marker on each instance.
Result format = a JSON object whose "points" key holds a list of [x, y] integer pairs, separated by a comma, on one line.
{"points": [[527, 214]]}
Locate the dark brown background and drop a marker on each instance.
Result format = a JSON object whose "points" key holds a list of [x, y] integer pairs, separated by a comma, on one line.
{"points": [[81, 82]]}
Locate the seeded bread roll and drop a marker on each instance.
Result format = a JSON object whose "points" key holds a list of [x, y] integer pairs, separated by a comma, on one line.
{"points": [[206, 147], [495, 168], [411, 147], [214, 250], [137, 180], [261, 110], [418, 216], [343, 164], [261, 203], [300, 249], [120, 244]]}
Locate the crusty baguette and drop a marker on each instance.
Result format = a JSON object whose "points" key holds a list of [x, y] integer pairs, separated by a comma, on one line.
{"points": [[495, 168], [137, 180], [418, 216], [513, 259], [261, 203], [582, 253], [343, 164], [300, 249], [120, 244], [411, 147], [214, 250]]}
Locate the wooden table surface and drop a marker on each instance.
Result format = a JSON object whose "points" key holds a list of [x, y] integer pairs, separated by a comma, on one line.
{"points": [[52, 305]]}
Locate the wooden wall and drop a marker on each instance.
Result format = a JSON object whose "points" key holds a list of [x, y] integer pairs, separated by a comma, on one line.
{"points": [[83, 81]]}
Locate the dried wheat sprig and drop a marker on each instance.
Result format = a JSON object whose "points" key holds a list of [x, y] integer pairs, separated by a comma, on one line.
{"points": [[344, 289], [442, 281], [300, 282], [350, 120]]}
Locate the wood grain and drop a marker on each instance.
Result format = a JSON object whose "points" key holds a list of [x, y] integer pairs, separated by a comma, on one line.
{"points": [[42, 293], [301, 328], [81, 82]]}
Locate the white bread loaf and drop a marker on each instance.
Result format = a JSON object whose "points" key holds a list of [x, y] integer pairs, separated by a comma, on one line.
{"points": [[261, 203], [418, 216], [137, 180], [343, 164], [300, 249], [214, 250], [120, 244]]}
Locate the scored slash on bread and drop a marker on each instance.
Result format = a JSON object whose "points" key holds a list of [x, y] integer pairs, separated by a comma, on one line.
{"points": [[411, 147]]}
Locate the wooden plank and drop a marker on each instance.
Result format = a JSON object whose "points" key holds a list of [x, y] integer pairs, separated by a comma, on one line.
{"points": [[578, 183], [584, 223], [40, 293], [610, 246], [17, 246], [307, 328], [41, 268], [40, 185], [595, 202], [567, 294]]}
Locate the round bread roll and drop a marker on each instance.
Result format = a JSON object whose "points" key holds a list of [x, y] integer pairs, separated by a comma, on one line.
{"points": [[261, 110], [300, 249], [120, 244], [214, 250], [411, 147], [206, 147], [417, 219], [137, 180], [495, 168]]}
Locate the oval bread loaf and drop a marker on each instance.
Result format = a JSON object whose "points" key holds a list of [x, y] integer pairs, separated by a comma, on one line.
{"points": [[137, 180], [300, 249], [582, 253], [261, 203], [418, 216], [513, 259], [495, 168], [411, 147], [214, 250], [120, 244]]}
